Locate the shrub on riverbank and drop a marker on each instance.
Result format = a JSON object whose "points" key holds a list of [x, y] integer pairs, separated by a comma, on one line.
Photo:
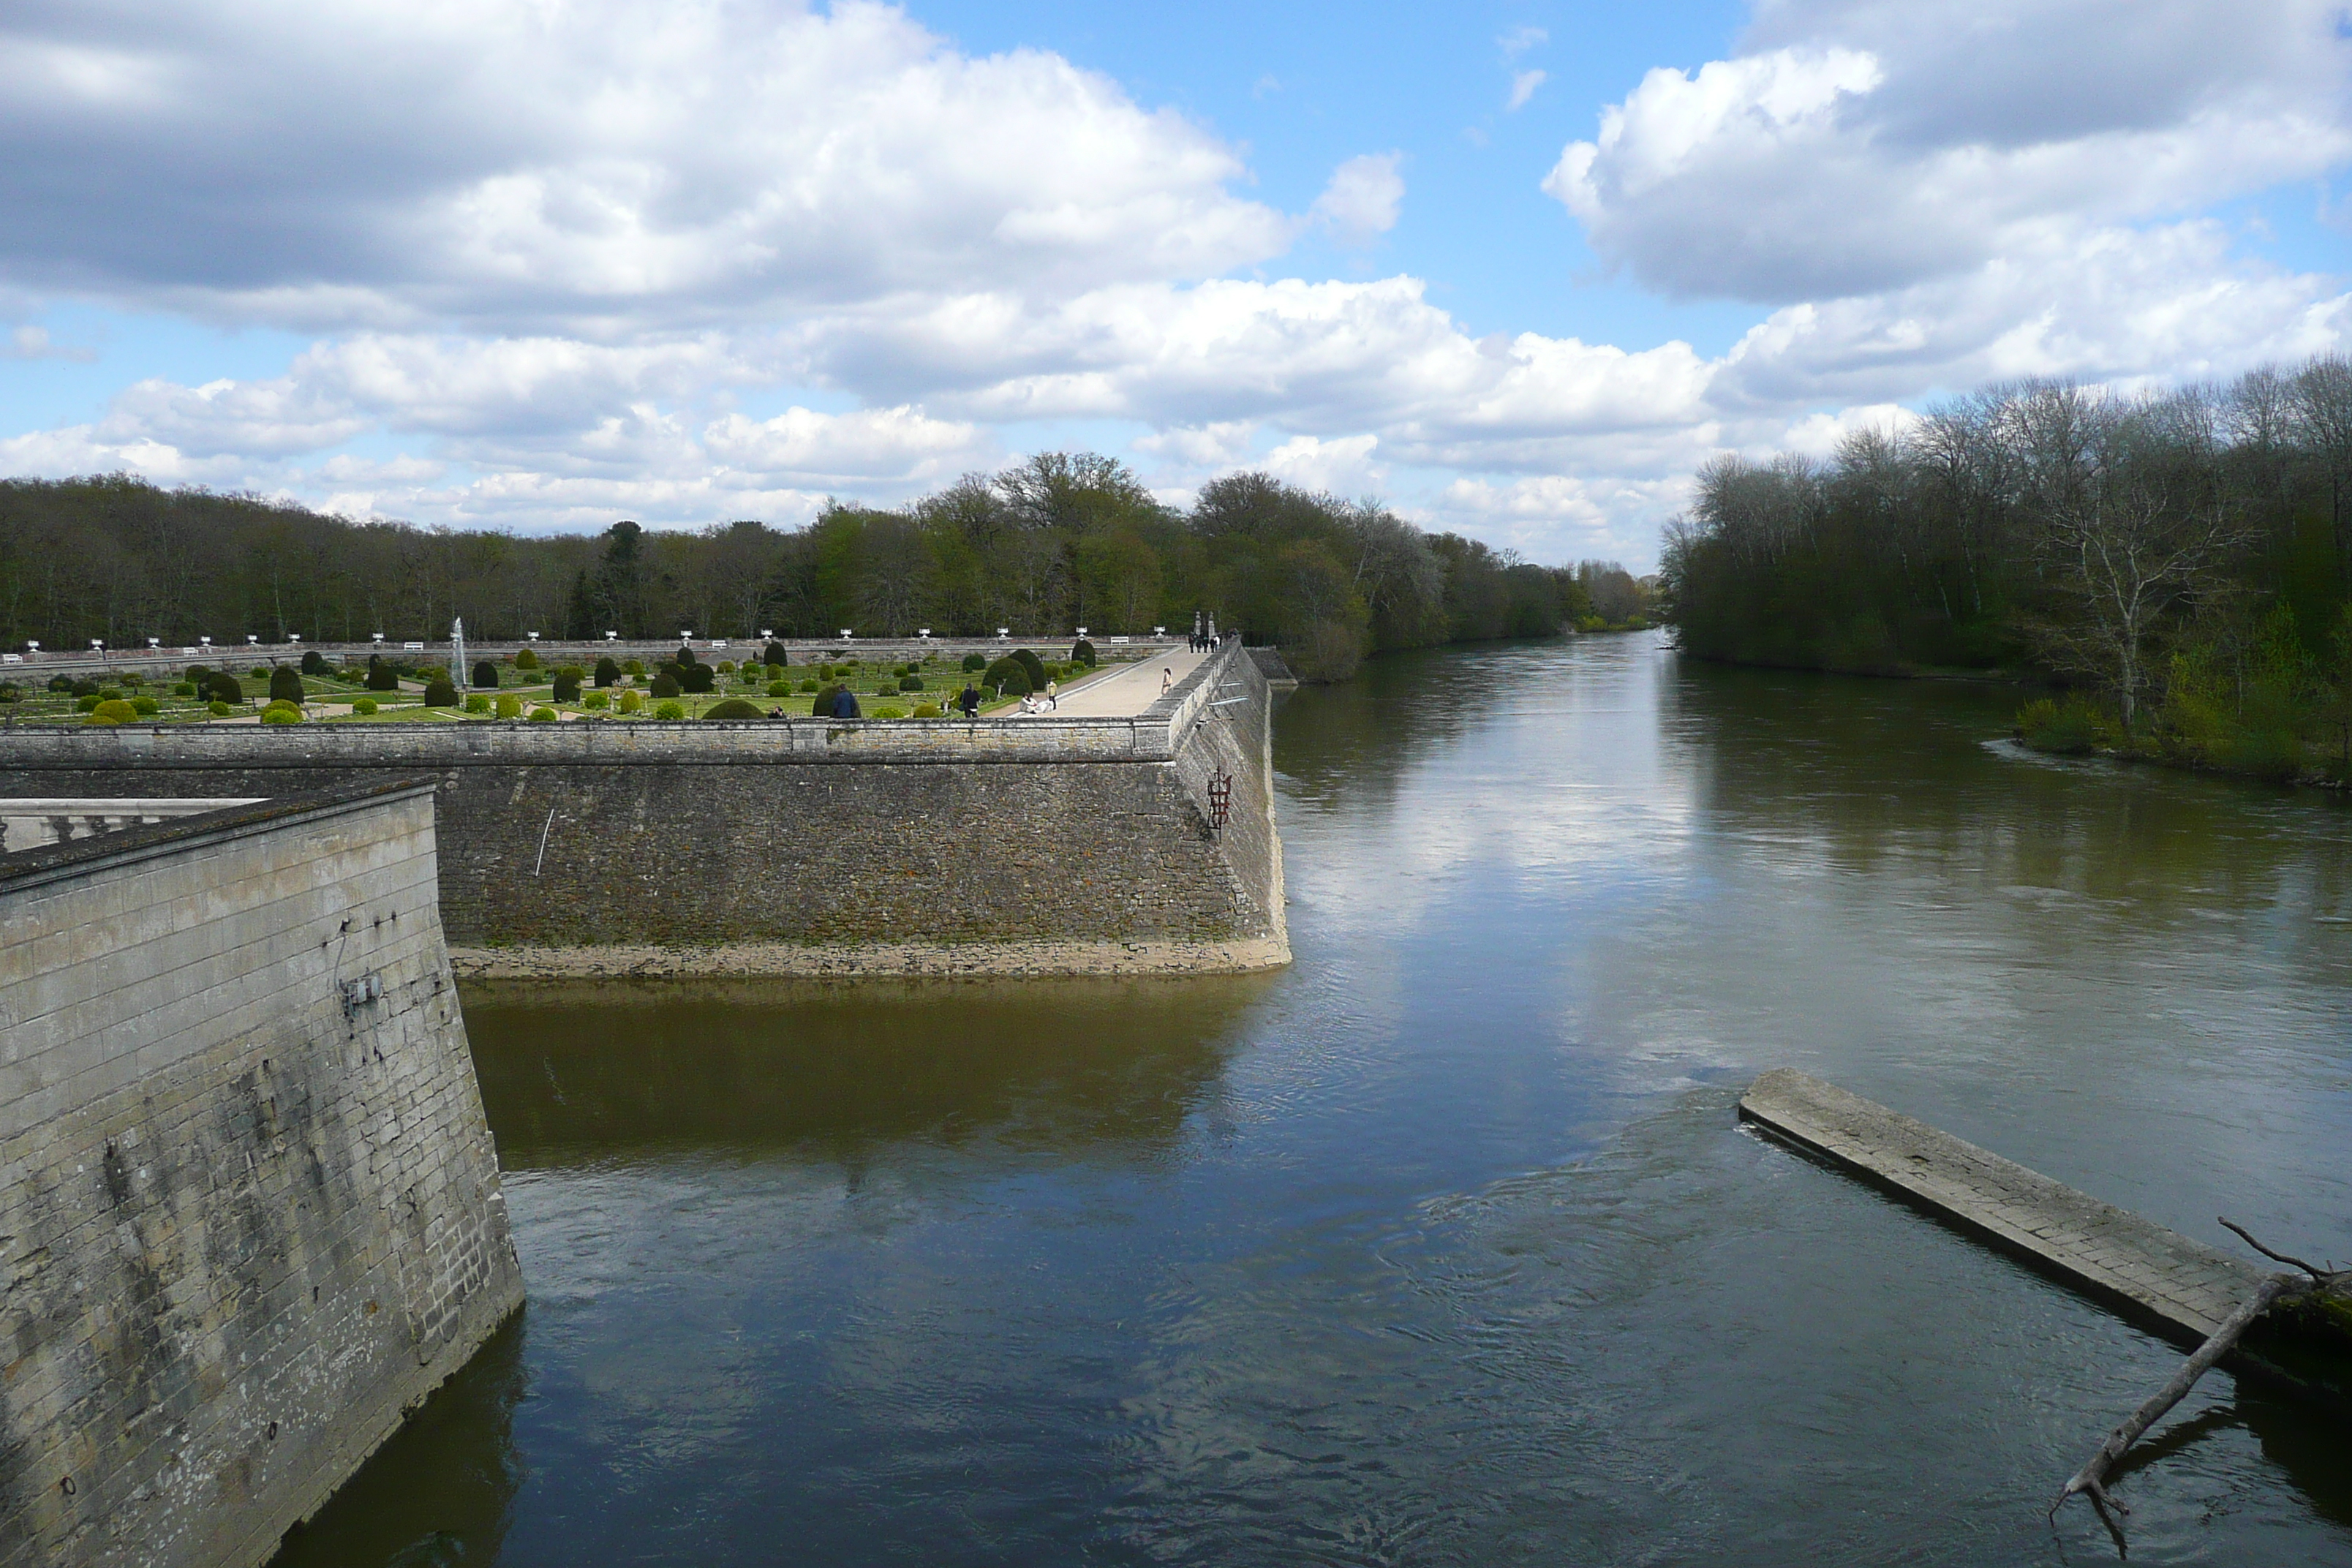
{"points": [[2069, 729]]}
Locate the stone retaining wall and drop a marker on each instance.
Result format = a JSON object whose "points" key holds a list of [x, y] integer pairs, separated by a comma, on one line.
{"points": [[797, 845], [249, 1201]]}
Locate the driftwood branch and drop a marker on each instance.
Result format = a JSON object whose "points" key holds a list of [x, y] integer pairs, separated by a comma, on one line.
{"points": [[2314, 1269], [2091, 1480]]}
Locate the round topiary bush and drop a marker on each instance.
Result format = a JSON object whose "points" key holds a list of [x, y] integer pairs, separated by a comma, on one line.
{"points": [[633, 666], [381, 676], [595, 701], [1002, 674], [313, 662], [510, 705], [196, 674], [111, 694], [145, 706], [365, 708], [887, 713], [665, 684], [780, 689], [478, 702], [733, 708], [774, 656], [696, 679], [567, 683], [669, 710], [87, 704], [821, 707], [526, 659], [259, 672], [281, 713], [632, 702], [285, 684], [808, 685], [228, 688], [112, 712], [683, 657], [219, 710], [440, 692], [184, 688], [910, 683], [486, 675], [975, 661], [1034, 665], [929, 710], [607, 672], [542, 715]]}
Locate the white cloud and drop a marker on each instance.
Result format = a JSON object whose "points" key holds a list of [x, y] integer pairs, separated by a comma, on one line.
{"points": [[514, 165], [1360, 203], [1875, 146], [1344, 466], [1523, 88], [1521, 39]]}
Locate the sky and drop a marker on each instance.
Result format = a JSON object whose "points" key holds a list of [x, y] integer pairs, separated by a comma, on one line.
{"points": [[1517, 268]]}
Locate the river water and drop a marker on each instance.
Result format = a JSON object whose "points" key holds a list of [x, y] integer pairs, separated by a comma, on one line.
{"points": [[1442, 1247]]}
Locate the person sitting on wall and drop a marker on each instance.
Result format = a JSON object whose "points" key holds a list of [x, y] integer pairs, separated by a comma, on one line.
{"points": [[969, 700], [845, 704]]}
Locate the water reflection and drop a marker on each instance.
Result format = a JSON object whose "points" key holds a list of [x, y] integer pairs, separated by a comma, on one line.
{"points": [[1095, 1069]]}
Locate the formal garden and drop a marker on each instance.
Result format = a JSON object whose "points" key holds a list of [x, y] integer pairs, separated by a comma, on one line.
{"points": [[519, 687]]}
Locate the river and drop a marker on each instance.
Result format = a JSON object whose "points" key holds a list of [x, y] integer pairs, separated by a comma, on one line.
{"points": [[1442, 1245]]}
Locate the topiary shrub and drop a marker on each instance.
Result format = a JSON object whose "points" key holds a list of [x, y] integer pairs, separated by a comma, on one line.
{"points": [[1034, 665], [111, 694], [145, 706], [510, 705], [259, 672], [975, 662], [281, 713], [929, 710], [567, 683], [607, 672], [184, 688], [196, 674], [114, 710], [133, 680], [1082, 652], [594, 702], [669, 710], [633, 666], [365, 708], [89, 688], [632, 702], [821, 707], [526, 658], [219, 710], [774, 656], [726, 666], [285, 684], [666, 683], [380, 676], [542, 715], [225, 688], [910, 683], [486, 675], [733, 708], [696, 679], [313, 662], [887, 713], [478, 702], [87, 704], [808, 685], [683, 657], [440, 692], [780, 689], [1000, 677]]}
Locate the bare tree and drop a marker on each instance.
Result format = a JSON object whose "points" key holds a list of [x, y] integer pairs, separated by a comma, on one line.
{"points": [[2134, 518]]}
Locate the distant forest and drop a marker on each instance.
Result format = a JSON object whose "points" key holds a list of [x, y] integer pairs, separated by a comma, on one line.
{"points": [[1061, 541], [2182, 558]]}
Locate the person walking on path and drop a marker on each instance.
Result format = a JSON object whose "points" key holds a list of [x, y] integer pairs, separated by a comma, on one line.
{"points": [[1054, 694], [844, 703], [969, 700]]}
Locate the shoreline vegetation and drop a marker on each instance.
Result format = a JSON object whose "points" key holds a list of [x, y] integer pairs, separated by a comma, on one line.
{"points": [[2179, 564], [1054, 544]]}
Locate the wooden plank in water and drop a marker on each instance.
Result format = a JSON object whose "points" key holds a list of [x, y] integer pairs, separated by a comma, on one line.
{"points": [[2177, 1286]]}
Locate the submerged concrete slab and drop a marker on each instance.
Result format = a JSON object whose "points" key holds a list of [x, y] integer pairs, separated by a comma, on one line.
{"points": [[2159, 1277]]}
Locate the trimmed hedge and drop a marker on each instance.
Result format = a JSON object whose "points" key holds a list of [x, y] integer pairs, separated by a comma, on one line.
{"points": [[313, 662], [478, 702], [440, 692], [665, 684], [567, 683], [486, 675], [608, 673], [1082, 652], [285, 684], [975, 662], [526, 659], [734, 708]]}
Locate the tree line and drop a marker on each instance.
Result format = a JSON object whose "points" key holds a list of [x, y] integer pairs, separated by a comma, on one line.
{"points": [[1061, 541], [2182, 558]]}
